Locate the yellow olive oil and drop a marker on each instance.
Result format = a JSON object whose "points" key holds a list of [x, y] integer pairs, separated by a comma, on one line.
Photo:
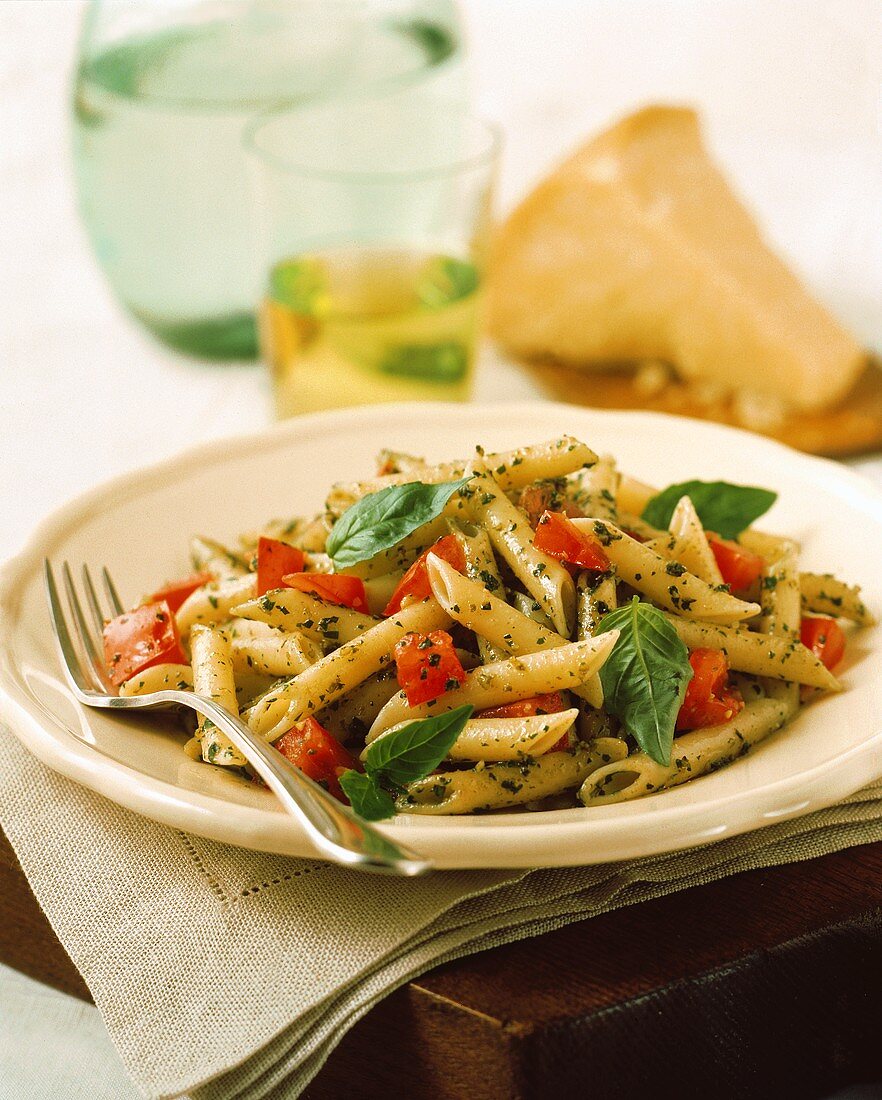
{"points": [[363, 326]]}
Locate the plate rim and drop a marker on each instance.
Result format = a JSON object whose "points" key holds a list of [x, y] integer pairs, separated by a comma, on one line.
{"points": [[164, 802]]}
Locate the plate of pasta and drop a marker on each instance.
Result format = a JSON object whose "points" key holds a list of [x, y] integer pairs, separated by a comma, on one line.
{"points": [[515, 636]]}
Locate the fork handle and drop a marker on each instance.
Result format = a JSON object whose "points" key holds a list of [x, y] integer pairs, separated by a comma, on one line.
{"points": [[335, 830]]}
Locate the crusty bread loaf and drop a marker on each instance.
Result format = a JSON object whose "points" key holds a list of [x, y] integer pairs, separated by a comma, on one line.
{"points": [[636, 248]]}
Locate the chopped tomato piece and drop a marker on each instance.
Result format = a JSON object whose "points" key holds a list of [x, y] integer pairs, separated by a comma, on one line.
{"points": [[414, 585], [543, 496], [338, 588], [175, 592], [739, 567], [141, 638], [825, 638], [708, 700], [274, 560], [318, 754], [526, 708], [560, 538], [427, 666], [552, 703]]}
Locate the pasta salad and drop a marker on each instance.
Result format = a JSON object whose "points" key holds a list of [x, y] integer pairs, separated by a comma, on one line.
{"points": [[530, 629]]}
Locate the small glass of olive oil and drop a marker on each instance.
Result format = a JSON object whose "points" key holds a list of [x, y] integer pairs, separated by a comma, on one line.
{"points": [[373, 223]]}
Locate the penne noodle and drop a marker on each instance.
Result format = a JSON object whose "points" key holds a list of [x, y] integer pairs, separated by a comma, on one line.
{"points": [[277, 654], [481, 567], [770, 547], [213, 677], [542, 576], [634, 495], [340, 671], [214, 602], [217, 559], [758, 654], [823, 594], [694, 754], [781, 605], [289, 609], [510, 469], [506, 738], [692, 548], [158, 678], [600, 486], [508, 681], [470, 603], [509, 783], [668, 584], [350, 716]]}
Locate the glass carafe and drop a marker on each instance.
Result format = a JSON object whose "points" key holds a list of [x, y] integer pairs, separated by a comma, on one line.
{"points": [[163, 90]]}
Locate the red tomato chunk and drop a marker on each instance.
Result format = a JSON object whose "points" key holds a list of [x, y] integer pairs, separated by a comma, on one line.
{"points": [[825, 638], [708, 700], [561, 539], [318, 754], [141, 638], [274, 560], [338, 588], [552, 703], [739, 567], [414, 585], [543, 497], [427, 666], [175, 592]]}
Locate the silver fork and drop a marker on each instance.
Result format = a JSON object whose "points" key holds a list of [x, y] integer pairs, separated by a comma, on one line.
{"points": [[338, 832]]}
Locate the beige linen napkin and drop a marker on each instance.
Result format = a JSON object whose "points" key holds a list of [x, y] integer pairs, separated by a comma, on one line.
{"points": [[226, 973]]}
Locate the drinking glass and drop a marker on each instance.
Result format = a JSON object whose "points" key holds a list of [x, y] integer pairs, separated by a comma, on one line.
{"points": [[372, 224], [163, 89]]}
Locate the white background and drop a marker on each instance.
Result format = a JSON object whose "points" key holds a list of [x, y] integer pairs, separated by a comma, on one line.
{"points": [[792, 93]]}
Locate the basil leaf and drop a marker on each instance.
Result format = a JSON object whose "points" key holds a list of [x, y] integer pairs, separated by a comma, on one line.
{"points": [[368, 799], [722, 507], [644, 678], [416, 749], [380, 520]]}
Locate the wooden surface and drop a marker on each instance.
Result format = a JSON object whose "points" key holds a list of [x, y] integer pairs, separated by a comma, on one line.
{"points": [[768, 983]]}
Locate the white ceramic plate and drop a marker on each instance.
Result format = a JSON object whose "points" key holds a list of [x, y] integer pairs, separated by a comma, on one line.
{"points": [[139, 526]]}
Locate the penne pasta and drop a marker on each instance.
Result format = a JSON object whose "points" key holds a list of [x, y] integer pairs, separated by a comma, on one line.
{"points": [[668, 584], [509, 783], [691, 546], [275, 653], [481, 566], [214, 602], [823, 594], [213, 677], [634, 495], [470, 603], [510, 469], [694, 754], [508, 681], [289, 609], [781, 604], [758, 654], [339, 672], [206, 554], [159, 678], [506, 738], [543, 577]]}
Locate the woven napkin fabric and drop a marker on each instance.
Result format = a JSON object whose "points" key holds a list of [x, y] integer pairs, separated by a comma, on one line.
{"points": [[226, 973]]}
